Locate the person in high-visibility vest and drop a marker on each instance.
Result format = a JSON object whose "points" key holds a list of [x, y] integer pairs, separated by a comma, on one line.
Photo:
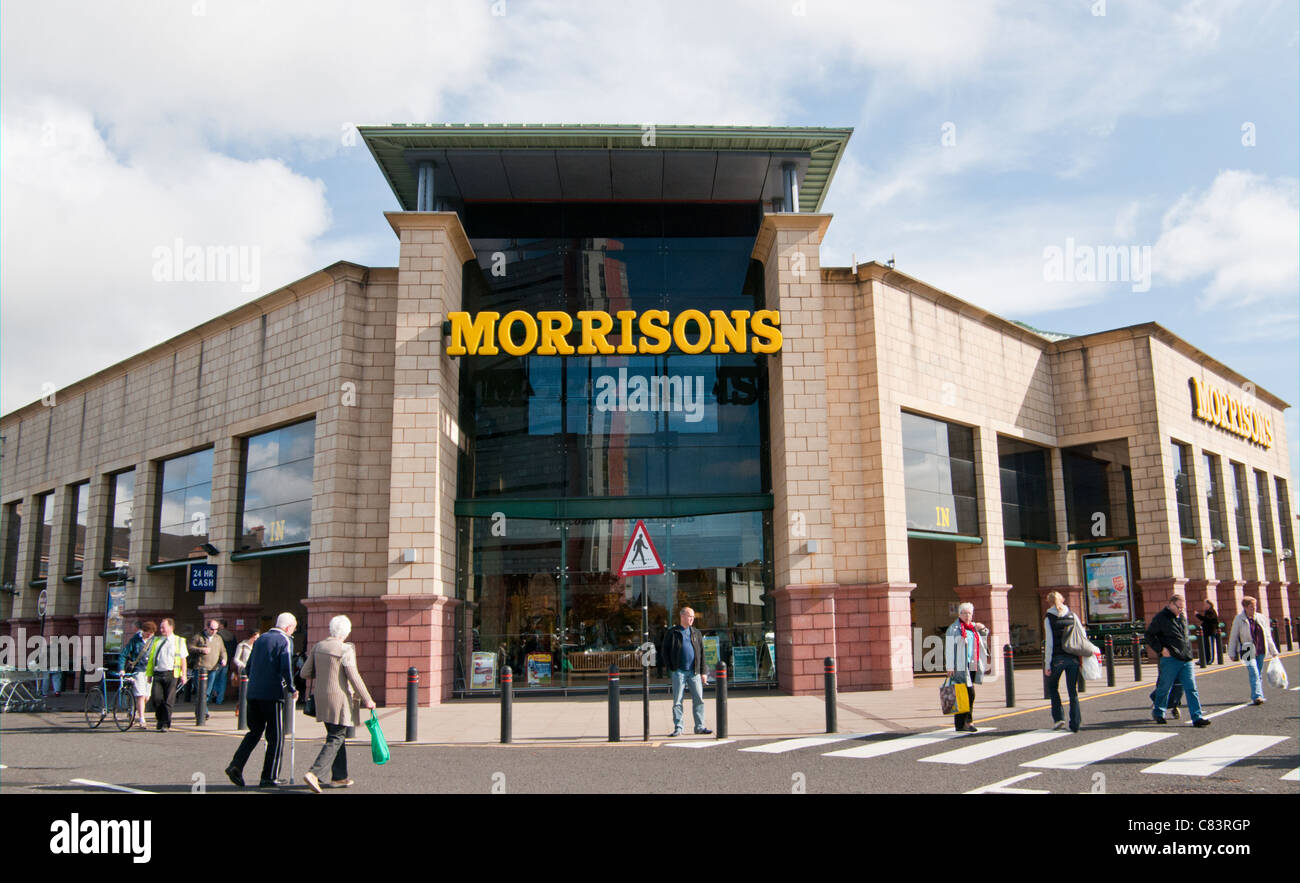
{"points": [[166, 666]]}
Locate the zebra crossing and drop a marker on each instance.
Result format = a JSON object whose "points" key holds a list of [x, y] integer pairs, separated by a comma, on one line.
{"points": [[947, 747]]}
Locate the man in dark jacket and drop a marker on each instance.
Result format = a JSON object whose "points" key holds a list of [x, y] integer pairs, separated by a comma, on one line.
{"points": [[270, 676], [1167, 636], [682, 653]]}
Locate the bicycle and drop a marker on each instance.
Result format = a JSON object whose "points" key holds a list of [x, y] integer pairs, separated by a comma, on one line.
{"points": [[97, 706]]}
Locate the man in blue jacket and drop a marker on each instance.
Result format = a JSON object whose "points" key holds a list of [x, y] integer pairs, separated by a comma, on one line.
{"points": [[270, 677]]}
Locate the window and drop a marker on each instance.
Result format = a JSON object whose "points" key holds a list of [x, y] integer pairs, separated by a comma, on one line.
{"points": [[117, 544], [1099, 491], [184, 505], [13, 532], [45, 518], [1178, 457], [1265, 507], [1027, 512], [939, 476], [1213, 508], [276, 502], [1284, 515], [1239, 510], [77, 529]]}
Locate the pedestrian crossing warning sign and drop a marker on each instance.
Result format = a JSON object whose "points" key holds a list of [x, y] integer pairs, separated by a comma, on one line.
{"points": [[640, 557]]}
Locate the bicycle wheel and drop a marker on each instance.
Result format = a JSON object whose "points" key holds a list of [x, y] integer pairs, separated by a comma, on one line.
{"points": [[94, 708], [124, 709]]}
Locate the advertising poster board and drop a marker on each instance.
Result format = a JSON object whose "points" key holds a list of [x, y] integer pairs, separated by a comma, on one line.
{"points": [[483, 671], [711, 652], [1108, 587], [114, 625], [744, 663], [538, 667]]}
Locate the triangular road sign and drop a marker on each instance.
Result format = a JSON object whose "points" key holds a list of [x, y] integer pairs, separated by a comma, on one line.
{"points": [[640, 557]]}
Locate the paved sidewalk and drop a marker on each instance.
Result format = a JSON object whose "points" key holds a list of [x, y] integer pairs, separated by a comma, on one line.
{"points": [[554, 720]]}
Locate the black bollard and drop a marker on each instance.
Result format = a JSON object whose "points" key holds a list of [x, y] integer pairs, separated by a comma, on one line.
{"points": [[1223, 641], [1008, 665], [832, 718], [1286, 626], [1110, 661], [613, 704], [412, 704], [242, 715], [507, 702], [1201, 650], [1137, 658], [201, 704], [721, 675]]}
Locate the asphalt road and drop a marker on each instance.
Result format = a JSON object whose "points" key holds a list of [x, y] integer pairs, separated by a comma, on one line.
{"points": [[1247, 750]]}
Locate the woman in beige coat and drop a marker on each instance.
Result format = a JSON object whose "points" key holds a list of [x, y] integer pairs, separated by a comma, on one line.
{"points": [[338, 685]]}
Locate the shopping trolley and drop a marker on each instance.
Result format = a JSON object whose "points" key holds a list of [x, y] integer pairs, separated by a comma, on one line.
{"points": [[18, 690]]}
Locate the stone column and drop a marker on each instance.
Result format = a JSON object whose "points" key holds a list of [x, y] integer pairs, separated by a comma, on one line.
{"points": [[788, 245], [238, 582], [982, 568], [991, 609], [1157, 592], [1277, 604], [152, 592], [94, 588], [1061, 570], [426, 444]]}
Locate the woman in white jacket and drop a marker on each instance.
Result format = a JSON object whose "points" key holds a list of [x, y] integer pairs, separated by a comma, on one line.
{"points": [[1250, 641]]}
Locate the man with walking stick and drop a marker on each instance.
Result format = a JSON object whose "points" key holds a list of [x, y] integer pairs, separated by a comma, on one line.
{"points": [[270, 681]]}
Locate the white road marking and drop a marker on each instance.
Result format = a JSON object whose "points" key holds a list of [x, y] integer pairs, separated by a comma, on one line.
{"points": [[92, 783], [806, 742], [1209, 759], [994, 747], [1080, 757], [1293, 776], [901, 743], [1225, 711], [699, 743], [1004, 787]]}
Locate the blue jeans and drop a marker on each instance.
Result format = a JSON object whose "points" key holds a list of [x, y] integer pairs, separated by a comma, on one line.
{"points": [[1069, 666], [1256, 685], [1175, 671], [680, 680], [217, 685]]}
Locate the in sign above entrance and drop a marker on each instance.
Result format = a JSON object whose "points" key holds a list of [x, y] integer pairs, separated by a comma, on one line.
{"points": [[640, 557]]}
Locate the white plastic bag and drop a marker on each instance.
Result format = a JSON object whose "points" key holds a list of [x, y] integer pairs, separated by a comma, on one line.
{"points": [[1276, 674], [1091, 667]]}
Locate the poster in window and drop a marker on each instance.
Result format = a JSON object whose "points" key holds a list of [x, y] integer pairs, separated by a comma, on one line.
{"points": [[744, 663], [538, 667], [114, 625], [483, 671], [712, 652], [1108, 586]]}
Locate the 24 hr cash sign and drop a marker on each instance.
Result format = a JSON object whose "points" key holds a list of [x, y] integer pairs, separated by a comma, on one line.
{"points": [[520, 333]]}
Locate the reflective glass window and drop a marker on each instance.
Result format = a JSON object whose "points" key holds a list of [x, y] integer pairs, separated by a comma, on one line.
{"points": [[14, 522], [1098, 491], [45, 518], [184, 506], [1284, 515], [939, 476], [1027, 512], [277, 487], [1264, 511], [117, 545], [77, 528], [1178, 456]]}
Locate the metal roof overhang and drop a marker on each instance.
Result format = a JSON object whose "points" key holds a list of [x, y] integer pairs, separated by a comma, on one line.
{"points": [[607, 163]]}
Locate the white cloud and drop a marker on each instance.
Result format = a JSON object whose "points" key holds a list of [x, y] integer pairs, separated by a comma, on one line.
{"points": [[1241, 233], [79, 233]]}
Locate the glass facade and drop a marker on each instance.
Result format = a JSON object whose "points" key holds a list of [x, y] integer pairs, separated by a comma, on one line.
{"points": [[1265, 512], [1284, 515], [117, 544], [15, 530], [1099, 491], [939, 476], [1027, 511], [1240, 511], [1213, 506], [45, 518], [564, 453], [1178, 457], [275, 504], [184, 506], [77, 528]]}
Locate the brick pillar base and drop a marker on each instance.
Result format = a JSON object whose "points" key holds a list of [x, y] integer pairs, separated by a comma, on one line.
{"points": [[1197, 592], [369, 634], [1277, 607], [992, 609], [90, 624], [421, 634], [1156, 594], [28, 625], [888, 656], [1293, 602], [1073, 596], [805, 631], [1255, 589]]}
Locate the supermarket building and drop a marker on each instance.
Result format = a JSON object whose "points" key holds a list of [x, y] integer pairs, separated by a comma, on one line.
{"points": [[828, 459]]}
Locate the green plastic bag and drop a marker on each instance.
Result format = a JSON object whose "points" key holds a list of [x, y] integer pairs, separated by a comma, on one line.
{"points": [[378, 744]]}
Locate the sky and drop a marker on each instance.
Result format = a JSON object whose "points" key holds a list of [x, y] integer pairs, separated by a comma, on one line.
{"points": [[988, 138]]}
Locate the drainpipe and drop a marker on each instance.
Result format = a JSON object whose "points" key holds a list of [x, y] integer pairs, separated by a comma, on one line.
{"points": [[791, 187]]}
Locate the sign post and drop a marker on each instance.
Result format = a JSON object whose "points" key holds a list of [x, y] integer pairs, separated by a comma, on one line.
{"points": [[640, 558]]}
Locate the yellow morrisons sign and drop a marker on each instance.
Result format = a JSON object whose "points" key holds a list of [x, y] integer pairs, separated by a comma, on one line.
{"points": [[1231, 414], [549, 333]]}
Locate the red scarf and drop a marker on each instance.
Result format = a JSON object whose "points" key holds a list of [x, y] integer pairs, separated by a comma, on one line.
{"points": [[964, 629]]}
